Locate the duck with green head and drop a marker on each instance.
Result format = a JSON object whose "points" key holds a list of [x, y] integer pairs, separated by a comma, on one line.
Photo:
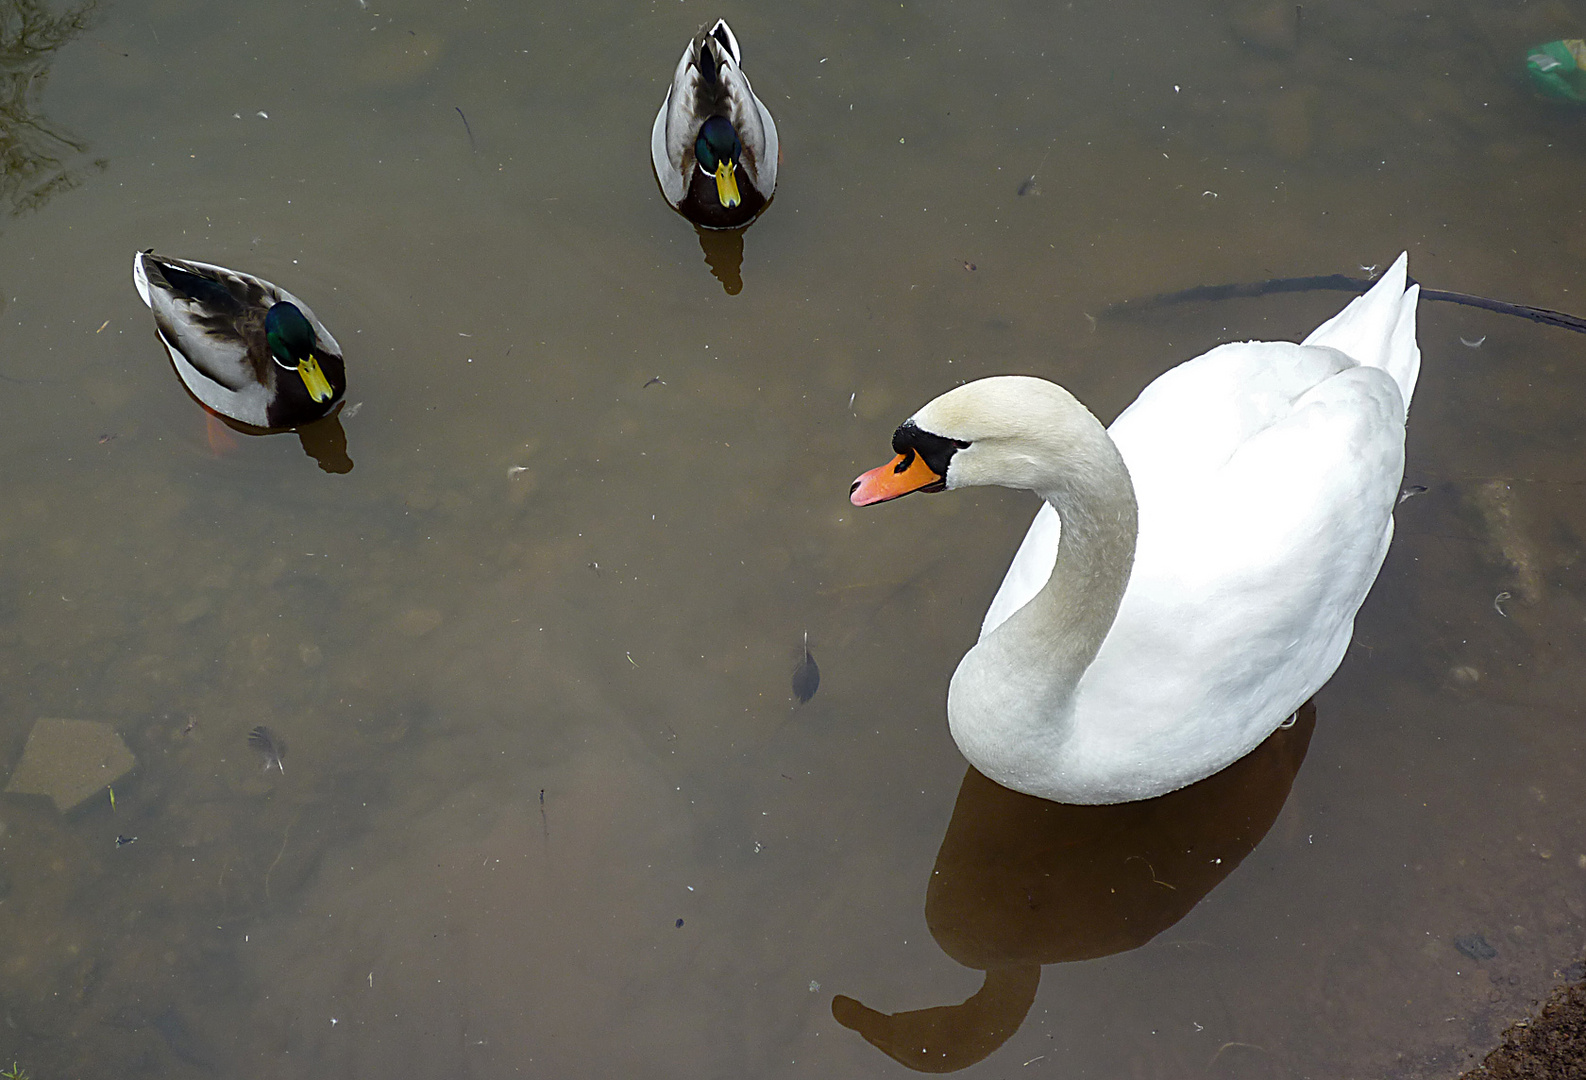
{"points": [[714, 145], [247, 349]]}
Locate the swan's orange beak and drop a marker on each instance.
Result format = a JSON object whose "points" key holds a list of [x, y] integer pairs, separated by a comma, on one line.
{"points": [[903, 474]]}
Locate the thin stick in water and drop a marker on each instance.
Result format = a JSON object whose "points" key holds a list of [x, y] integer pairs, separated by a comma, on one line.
{"points": [[1340, 283]]}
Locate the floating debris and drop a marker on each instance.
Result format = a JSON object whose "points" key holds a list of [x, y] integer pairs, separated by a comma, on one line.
{"points": [[270, 745], [70, 761], [1498, 601], [1412, 491], [1472, 344], [807, 677], [652, 382], [123, 841]]}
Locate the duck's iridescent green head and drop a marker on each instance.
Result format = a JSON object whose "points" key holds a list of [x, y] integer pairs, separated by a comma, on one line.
{"points": [[717, 150], [292, 341]]}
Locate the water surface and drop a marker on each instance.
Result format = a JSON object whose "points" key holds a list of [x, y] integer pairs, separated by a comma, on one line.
{"points": [[549, 807]]}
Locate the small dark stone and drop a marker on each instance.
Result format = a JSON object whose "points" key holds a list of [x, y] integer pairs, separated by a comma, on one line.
{"points": [[1475, 946], [680, 922]]}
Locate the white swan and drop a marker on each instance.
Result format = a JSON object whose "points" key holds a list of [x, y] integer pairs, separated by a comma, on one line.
{"points": [[1118, 661]]}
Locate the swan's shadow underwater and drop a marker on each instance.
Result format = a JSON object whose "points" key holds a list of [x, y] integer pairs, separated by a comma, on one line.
{"points": [[1020, 882]]}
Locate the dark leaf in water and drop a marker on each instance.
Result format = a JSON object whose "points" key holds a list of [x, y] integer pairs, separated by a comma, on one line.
{"points": [[807, 677], [270, 745]]}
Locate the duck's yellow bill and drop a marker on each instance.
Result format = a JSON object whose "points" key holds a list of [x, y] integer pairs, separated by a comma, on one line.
{"points": [[901, 476], [727, 184], [314, 379]]}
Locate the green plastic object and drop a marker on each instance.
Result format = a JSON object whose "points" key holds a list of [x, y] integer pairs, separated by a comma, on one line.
{"points": [[1558, 69]]}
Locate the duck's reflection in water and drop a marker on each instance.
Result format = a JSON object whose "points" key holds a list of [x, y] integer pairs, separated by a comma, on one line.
{"points": [[723, 250], [324, 440], [1021, 882]]}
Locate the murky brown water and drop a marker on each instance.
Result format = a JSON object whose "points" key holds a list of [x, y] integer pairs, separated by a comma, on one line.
{"points": [[543, 575]]}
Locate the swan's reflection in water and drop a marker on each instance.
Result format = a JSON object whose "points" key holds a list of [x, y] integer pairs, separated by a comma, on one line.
{"points": [[723, 250], [1020, 882]]}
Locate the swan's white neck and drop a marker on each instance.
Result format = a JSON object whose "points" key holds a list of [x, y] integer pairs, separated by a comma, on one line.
{"points": [[1011, 702]]}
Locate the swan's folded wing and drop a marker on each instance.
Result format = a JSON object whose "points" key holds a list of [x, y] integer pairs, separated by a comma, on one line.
{"points": [[1191, 420], [1246, 584], [1183, 428]]}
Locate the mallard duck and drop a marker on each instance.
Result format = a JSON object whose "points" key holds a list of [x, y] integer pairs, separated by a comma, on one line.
{"points": [[247, 349], [1194, 573], [714, 145]]}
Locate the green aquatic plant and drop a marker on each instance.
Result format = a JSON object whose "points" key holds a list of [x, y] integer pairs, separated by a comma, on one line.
{"points": [[15, 1072]]}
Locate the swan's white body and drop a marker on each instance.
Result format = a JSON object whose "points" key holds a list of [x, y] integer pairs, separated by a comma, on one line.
{"points": [[1265, 476]]}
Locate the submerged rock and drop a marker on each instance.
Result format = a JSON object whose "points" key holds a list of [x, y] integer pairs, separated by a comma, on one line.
{"points": [[70, 760], [1475, 946]]}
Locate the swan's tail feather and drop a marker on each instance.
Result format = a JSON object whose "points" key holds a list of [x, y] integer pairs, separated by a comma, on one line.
{"points": [[1378, 329]]}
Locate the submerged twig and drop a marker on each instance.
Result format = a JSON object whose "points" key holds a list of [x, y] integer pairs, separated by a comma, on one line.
{"points": [[278, 854], [1340, 283]]}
